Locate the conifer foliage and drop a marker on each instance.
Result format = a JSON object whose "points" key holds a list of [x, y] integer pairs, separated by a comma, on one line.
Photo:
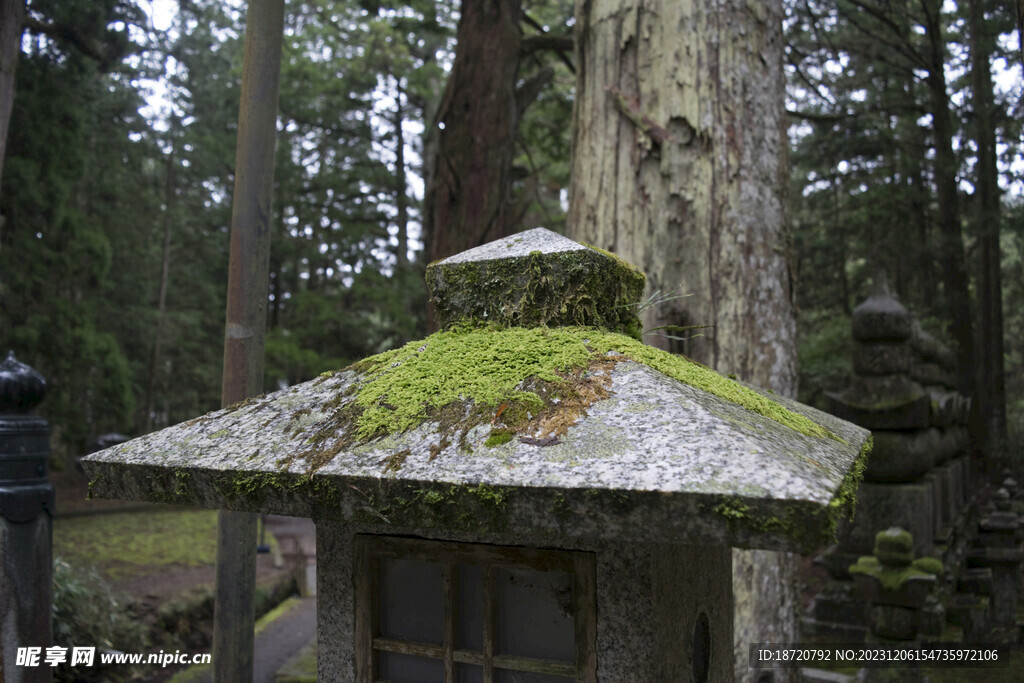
{"points": [[117, 171]]}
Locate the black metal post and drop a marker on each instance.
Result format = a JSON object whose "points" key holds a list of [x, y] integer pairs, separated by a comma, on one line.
{"points": [[26, 507]]}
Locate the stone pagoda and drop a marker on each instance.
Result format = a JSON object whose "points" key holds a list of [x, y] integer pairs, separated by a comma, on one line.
{"points": [[903, 390]]}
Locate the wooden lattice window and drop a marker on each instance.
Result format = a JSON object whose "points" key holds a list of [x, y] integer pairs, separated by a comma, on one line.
{"points": [[429, 611]]}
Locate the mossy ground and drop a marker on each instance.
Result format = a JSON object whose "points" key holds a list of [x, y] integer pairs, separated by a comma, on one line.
{"points": [[132, 544], [202, 672], [301, 668], [125, 545]]}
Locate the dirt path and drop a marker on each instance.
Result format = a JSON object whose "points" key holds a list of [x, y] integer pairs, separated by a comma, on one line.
{"points": [[282, 639], [296, 541], [278, 642]]}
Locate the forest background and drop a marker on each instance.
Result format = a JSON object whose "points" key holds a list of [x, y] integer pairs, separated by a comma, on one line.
{"points": [[115, 194]]}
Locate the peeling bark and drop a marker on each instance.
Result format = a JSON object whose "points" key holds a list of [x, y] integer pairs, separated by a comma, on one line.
{"points": [[703, 208], [680, 167]]}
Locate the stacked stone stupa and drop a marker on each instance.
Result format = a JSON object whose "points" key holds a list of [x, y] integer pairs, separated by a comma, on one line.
{"points": [[997, 550], [933, 366], [903, 390]]}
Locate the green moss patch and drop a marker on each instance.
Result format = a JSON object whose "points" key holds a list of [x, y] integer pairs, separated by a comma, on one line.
{"points": [[132, 544], [844, 502], [489, 367], [301, 668], [484, 366], [582, 287], [276, 613], [126, 545], [894, 547], [929, 565], [801, 524], [893, 563], [890, 578], [498, 437], [535, 381]]}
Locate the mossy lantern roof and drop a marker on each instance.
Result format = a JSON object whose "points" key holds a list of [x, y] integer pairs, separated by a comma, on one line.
{"points": [[534, 411]]}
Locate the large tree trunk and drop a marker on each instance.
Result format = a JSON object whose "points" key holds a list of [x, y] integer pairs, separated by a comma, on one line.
{"points": [[992, 401], [12, 15], [467, 201], [680, 166], [951, 249], [918, 197]]}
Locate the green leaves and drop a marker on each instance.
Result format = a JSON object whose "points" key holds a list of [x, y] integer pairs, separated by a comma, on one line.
{"points": [[91, 185]]}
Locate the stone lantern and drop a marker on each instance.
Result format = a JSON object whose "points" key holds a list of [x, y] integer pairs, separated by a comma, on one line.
{"points": [[895, 584], [531, 492]]}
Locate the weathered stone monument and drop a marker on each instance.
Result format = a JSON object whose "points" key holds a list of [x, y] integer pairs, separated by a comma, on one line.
{"points": [[933, 366], [531, 490], [905, 397], [998, 551], [895, 585], [903, 389]]}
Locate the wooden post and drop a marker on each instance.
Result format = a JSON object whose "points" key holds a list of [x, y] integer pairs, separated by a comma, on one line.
{"points": [[246, 321]]}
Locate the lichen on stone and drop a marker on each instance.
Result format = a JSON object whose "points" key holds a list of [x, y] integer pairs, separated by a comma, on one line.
{"points": [[703, 377], [893, 563]]}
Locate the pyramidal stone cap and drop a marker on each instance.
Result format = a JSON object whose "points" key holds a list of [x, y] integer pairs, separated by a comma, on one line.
{"points": [[553, 431], [537, 278]]}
